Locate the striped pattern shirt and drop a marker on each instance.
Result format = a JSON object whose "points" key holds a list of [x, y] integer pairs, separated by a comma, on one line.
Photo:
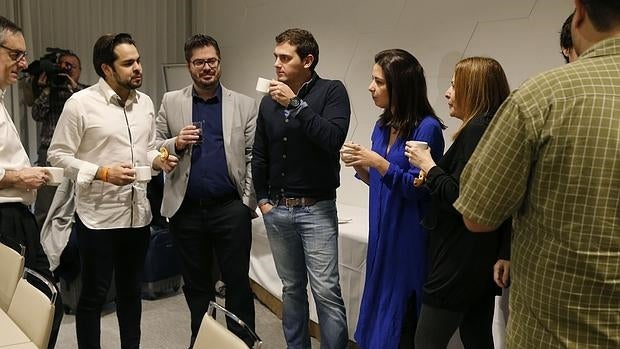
{"points": [[551, 158]]}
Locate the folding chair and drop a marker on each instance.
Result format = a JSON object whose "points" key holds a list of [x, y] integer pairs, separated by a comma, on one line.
{"points": [[214, 335], [11, 269], [32, 309]]}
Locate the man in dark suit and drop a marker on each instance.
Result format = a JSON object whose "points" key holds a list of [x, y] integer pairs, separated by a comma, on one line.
{"points": [[209, 197]]}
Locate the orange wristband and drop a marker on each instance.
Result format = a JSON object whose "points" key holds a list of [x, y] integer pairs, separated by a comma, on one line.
{"points": [[104, 174]]}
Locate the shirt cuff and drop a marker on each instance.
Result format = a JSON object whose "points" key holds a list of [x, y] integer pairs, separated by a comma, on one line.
{"points": [[263, 201], [86, 174], [294, 112], [151, 155]]}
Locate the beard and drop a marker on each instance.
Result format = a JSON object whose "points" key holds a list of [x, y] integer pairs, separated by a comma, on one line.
{"points": [[206, 85], [132, 83]]}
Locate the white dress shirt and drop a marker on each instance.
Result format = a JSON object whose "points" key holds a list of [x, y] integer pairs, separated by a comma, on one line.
{"points": [[13, 157], [95, 130]]}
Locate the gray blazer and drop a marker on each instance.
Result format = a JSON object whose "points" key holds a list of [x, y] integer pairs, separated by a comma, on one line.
{"points": [[239, 114]]}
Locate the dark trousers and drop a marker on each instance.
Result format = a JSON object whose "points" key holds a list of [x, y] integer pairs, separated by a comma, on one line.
{"points": [[436, 326], [18, 224], [102, 252], [223, 229]]}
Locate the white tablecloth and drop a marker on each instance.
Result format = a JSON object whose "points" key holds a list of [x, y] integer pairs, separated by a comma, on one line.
{"points": [[352, 245]]}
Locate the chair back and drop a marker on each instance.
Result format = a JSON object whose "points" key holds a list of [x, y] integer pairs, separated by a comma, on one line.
{"points": [[214, 335], [11, 269], [32, 309]]}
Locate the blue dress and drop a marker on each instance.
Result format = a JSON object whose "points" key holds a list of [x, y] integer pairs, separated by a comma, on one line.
{"points": [[396, 260]]}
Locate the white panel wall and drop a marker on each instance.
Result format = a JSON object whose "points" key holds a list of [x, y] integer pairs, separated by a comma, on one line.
{"points": [[522, 35], [158, 26]]}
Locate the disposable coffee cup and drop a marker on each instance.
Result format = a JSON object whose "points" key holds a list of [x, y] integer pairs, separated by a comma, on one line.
{"points": [[143, 173], [262, 85], [417, 144], [56, 175]]}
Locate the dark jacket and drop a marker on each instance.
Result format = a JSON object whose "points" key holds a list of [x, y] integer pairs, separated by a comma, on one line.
{"points": [[460, 262], [298, 155]]}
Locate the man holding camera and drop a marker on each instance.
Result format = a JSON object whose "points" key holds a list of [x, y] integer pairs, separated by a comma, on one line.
{"points": [[56, 89]]}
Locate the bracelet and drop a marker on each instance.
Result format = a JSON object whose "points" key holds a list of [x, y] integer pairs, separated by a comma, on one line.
{"points": [[104, 174], [421, 179]]}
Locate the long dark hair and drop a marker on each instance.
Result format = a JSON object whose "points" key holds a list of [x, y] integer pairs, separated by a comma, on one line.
{"points": [[406, 86]]}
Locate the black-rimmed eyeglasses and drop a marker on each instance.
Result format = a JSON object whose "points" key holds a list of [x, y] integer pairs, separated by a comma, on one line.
{"points": [[15, 55], [211, 62]]}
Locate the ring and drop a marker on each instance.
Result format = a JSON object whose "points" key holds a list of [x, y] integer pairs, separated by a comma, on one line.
{"points": [[163, 154]]}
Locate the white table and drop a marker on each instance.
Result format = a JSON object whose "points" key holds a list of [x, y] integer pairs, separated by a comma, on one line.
{"points": [[352, 244]]}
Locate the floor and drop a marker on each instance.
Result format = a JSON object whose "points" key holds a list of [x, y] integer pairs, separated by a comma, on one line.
{"points": [[165, 325]]}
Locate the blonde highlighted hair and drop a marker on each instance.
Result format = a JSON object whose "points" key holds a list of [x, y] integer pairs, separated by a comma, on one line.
{"points": [[480, 87]]}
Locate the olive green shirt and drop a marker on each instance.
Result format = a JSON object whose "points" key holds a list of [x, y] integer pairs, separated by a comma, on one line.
{"points": [[551, 158]]}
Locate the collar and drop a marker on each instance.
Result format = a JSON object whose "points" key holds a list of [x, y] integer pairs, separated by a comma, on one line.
{"points": [[112, 97], [606, 47], [213, 100], [306, 86]]}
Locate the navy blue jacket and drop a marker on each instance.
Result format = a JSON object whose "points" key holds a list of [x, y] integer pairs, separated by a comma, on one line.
{"points": [[296, 154]]}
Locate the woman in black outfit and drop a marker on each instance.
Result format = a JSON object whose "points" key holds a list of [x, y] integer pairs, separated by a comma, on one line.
{"points": [[460, 291]]}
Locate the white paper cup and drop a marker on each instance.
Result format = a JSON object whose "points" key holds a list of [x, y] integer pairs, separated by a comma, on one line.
{"points": [[143, 173], [56, 174], [262, 85], [417, 144]]}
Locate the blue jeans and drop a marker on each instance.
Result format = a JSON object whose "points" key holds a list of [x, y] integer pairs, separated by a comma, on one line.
{"points": [[304, 242]]}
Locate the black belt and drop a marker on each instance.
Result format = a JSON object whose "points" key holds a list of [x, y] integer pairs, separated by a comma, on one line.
{"points": [[210, 202]]}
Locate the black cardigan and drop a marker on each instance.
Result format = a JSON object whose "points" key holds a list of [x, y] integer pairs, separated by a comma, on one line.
{"points": [[460, 262]]}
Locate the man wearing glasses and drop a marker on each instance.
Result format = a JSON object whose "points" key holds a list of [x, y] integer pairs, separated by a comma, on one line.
{"points": [[103, 132], [209, 197], [18, 180]]}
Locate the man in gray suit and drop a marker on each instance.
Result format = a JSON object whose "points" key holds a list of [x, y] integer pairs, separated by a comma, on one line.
{"points": [[209, 197]]}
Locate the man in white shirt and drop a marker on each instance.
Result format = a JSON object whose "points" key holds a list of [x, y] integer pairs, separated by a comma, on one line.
{"points": [[103, 132], [18, 180]]}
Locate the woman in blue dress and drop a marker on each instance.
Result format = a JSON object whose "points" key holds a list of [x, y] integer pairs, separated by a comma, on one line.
{"points": [[396, 260]]}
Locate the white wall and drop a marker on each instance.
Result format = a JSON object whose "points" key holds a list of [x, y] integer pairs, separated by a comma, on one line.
{"points": [[159, 27], [522, 35]]}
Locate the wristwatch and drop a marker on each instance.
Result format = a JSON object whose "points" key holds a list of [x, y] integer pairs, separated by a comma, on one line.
{"points": [[294, 103]]}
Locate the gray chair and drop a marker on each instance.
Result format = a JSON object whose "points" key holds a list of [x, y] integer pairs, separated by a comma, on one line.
{"points": [[214, 335]]}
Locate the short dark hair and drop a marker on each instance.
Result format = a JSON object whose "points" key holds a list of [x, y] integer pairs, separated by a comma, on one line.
{"points": [[303, 41], [566, 39], [103, 52], [406, 87], [604, 14], [7, 26], [198, 41]]}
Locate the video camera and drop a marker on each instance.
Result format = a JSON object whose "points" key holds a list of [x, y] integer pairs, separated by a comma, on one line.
{"points": [[48, 64]]}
